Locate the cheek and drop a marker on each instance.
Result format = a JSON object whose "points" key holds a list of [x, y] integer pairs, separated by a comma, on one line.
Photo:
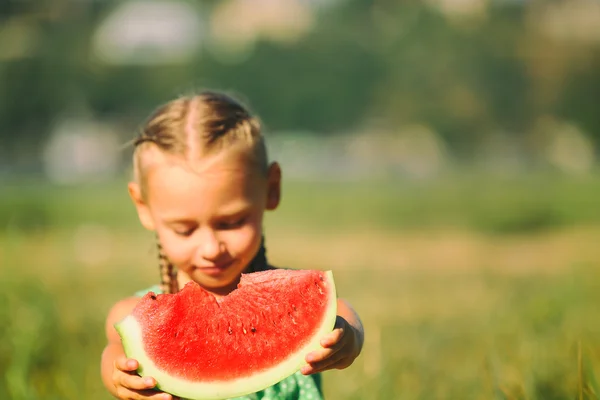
{"points": [[176, 250], [245, 240]]}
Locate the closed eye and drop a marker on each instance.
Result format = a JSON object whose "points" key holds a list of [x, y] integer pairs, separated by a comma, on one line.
{"points": [[184, 231], [233, 224]]}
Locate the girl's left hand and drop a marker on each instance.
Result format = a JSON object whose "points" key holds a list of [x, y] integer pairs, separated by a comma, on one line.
{"points": [[340, 348]]}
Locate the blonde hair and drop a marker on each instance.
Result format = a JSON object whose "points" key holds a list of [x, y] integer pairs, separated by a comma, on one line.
{"points": [[193, 127], [197, 126]]}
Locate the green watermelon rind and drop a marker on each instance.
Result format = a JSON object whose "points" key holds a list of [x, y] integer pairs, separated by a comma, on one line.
{"points": [[131, 337]]}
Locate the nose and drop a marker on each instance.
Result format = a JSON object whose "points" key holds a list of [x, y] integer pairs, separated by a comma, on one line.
{"points": [[209, 246]]}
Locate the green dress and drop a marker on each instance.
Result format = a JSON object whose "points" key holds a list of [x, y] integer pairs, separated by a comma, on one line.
{"points": [[294, 387]]}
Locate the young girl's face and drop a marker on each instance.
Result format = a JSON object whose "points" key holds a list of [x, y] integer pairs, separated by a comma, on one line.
{"points": [[208, 216]]}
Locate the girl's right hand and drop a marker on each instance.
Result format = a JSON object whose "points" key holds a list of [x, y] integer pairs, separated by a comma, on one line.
{"points": [[131, 386]]}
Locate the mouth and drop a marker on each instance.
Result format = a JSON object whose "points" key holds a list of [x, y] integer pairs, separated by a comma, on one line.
{"points": [[215, 269]]}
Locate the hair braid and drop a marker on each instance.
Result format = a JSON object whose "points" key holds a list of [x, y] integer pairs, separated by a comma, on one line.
{"points": [[168, 272]]}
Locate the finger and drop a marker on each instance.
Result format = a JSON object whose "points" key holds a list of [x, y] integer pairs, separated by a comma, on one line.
{"points": [[332, 362], [120, 378], [136, 382], [323, 354], [125, 393], [336, 335], [126, 364], [331, 344]]}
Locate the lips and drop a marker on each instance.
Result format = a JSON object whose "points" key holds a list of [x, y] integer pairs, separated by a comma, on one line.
{"points": [[215, 269]]}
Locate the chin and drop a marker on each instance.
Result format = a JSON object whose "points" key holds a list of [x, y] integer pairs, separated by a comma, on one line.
{"points": [[222, 281]]}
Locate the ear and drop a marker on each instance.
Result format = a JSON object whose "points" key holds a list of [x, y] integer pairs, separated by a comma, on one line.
{"points": [[273, 186], [143, 211]]}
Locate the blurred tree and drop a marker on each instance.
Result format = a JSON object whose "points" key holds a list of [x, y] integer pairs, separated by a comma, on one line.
{"points": [[465, 74]]}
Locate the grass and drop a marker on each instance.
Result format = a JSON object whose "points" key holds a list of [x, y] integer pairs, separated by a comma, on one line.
{"points": [[457, 303], [526, 203]]}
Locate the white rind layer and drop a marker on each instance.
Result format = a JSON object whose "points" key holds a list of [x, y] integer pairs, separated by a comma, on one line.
{"points": [[131, 336]]}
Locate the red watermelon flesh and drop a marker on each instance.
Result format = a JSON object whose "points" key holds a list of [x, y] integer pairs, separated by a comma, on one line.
{"points": [[196, 346]]}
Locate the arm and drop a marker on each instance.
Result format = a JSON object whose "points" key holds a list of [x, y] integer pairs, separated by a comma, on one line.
{"points": [[348, 313], [118, 372], [340, 347]]}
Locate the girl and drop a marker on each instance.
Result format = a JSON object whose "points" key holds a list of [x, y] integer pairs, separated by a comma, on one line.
{"points": [[202, 183]]}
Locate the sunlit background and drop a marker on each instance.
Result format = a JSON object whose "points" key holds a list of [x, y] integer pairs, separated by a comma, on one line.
{"points": [[441, 157]]}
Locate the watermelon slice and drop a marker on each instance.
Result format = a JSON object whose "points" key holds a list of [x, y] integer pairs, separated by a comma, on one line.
{"points": [[198, 347]]}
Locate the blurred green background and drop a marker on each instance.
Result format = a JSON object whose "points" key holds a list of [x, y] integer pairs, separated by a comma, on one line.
{"points": [[440, 156]]}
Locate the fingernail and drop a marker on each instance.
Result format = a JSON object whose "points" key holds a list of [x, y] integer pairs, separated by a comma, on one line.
{"points": [[149, 381]]}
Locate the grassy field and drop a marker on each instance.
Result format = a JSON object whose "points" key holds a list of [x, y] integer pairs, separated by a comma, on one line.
{"points": [[473, 288]]}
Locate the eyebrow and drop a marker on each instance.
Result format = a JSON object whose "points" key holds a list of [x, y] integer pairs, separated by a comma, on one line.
{"points": [[232, 213], [179, 221]]}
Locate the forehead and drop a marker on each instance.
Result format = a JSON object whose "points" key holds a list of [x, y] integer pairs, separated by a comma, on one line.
{"points": [[221, 183]]}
